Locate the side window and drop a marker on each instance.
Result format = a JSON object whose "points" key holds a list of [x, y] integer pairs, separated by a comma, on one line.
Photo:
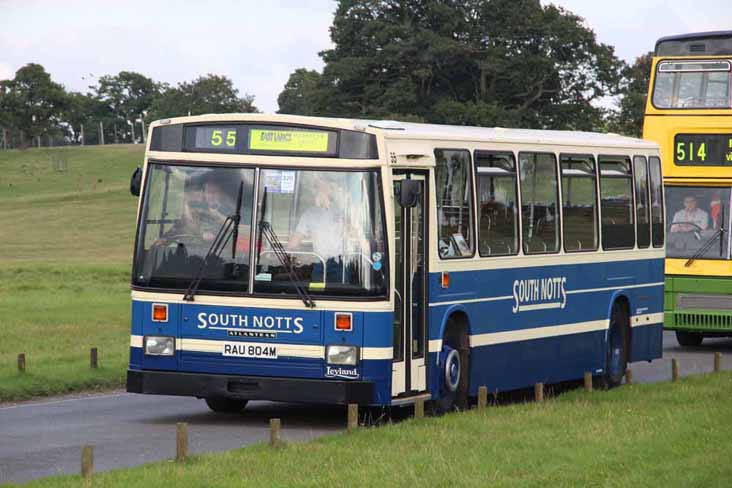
{"points": [[579, 203], [454, 203], [657, 225], [497, 203], [539, 203], [642, 210], [616, 202]]}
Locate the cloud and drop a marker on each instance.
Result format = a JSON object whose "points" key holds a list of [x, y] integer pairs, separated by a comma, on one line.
{"points": [[6, 71]]}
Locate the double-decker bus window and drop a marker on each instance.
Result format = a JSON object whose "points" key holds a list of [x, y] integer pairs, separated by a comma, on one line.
{"points": [[539, 203], [698, 219], [579, 203], [184, 209], [616, 202], [657, 226], [497, 203], [692, 84], [642, 210], [454, 203]]}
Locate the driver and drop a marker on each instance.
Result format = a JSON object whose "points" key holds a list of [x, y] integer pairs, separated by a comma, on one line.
{"points": [[690, 217]]}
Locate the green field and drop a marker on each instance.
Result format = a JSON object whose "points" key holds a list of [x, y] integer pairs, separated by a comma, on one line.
{"points": [[67, 224], [666, 435]]}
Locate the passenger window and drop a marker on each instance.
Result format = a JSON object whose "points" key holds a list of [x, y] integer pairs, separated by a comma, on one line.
{"points": [[642, 210], [657, 225], [539, 203], [497, 203], [616, 202], [454, 203], [579, 203]]}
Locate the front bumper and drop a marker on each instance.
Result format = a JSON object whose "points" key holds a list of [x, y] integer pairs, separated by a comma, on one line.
{"points": [[250, 387]]}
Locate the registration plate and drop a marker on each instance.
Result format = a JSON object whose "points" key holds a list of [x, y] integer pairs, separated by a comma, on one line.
{"points": [[249, 350]]}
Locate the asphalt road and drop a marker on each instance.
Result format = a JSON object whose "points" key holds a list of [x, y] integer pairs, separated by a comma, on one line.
{"points": [[45, 438]]}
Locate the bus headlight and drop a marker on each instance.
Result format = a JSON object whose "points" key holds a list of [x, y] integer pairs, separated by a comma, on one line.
{"points": [[159, 346], [344, 355]]}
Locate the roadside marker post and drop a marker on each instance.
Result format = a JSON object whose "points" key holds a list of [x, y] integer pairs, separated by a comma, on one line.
{"points": [[181, 442], [482, 397], [352, 417], [717, 362], [674, 370], [539, 392], [419, 408], [588, 381], [93, 358], [628, 376], [87, 461], [275, 438], [21, 362]]}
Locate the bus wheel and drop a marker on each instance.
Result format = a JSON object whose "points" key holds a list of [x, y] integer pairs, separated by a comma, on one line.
{"points": [[226, 405], [689, 339], [617, 347], [453, 373]]}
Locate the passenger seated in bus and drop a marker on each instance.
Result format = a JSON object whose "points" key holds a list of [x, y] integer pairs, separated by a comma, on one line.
{"points": [[324, 225], [690, 218]]}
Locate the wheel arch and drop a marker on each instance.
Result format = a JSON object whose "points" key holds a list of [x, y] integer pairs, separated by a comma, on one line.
{"points": [[621, 297], [456, 314]]}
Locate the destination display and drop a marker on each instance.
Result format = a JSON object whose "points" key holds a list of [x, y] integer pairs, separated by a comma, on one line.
{"points": [[289, 140], [215, 138], [703, 149]]}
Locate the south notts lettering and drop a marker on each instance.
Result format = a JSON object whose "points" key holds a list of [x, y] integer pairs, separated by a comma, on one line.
{"points": [[245, 322]]}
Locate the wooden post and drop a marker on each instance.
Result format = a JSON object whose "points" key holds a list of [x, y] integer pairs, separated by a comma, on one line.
{"points": [[275, 439], [352, 417], [419, 408], [539, 392], [628, 376], [674, 370], [82, 134], [588, 381], [181, 442], [482, 397], [87, 461], [93, 358], [101, 133], [717, 362], [21, 362]]}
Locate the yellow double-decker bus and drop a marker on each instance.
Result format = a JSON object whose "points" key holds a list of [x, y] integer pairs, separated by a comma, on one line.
{"points": [[689, 114]]}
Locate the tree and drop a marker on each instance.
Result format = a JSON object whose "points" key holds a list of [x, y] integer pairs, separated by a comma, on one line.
{"points": [[300, 94], [482, 62], [32, 102], [128, 96], [629, 119], [206, 94]]}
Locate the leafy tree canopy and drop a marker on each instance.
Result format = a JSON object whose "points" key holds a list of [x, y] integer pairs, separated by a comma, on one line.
{"points": [[206, 94], [481, 62]]}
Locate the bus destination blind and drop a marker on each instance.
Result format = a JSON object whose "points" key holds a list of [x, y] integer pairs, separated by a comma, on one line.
{"points": [[288, 140], [703, 149]]}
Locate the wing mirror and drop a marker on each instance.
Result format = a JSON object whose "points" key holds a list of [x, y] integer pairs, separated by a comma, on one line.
{"points": [[136, 182], [409, 192]]}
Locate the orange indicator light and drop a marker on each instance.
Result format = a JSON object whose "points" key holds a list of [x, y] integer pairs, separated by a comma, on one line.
{"points": [[445, 279], [343, 322], [159, 312]]}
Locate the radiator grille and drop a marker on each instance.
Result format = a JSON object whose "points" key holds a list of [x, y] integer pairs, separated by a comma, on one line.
{"points": [[694, 301], [703, 321]]}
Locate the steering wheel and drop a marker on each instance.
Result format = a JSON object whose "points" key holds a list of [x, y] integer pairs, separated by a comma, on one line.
{"points": [[697, 227]]}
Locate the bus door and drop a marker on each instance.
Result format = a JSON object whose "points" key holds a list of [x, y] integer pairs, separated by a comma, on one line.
{"points": [[409, 368]]}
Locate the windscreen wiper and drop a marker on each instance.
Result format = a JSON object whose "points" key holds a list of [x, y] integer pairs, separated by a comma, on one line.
{"points": [[265, 229], [708, 244], [229, 227]]}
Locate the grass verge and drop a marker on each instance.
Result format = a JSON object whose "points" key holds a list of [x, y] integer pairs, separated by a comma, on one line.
{"points": [[669, 434], [67, 223]]}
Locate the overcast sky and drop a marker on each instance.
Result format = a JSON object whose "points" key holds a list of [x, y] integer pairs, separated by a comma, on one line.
{"points": [[259, 43]]}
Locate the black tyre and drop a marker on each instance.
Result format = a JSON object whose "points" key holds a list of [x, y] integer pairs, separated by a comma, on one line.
{"points": [[226, 405], [616, 359], [454, 374], [689, 339]]}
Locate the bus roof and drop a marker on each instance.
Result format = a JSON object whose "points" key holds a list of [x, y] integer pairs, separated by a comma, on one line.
{"points": [[714, 43], [417, 131]]}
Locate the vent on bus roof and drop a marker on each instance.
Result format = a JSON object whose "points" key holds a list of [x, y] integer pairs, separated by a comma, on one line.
{"points": [[697, 48]]}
